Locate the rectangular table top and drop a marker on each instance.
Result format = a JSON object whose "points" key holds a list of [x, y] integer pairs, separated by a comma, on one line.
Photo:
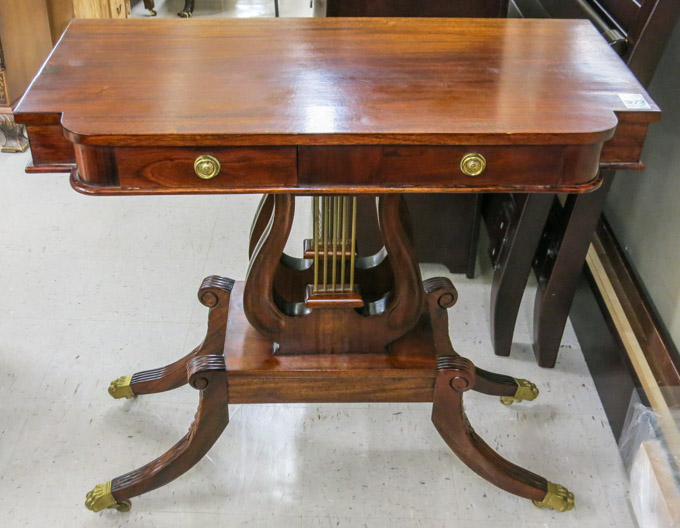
{"points": [[333, 81]]}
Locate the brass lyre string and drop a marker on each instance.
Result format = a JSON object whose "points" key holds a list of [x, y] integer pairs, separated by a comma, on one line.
{"points": [[336, 221], [315, 220], [325, 211], [335, 230], [352, 246], [343, 244]]}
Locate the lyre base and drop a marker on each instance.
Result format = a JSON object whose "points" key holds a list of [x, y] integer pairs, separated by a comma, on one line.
{"points": [[344, 297], [236, 364], [405, 373]]}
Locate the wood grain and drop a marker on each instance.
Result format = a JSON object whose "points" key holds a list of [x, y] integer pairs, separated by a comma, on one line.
{"points": [[167, 167], [332, 81], [49, 146], [439, 166]]}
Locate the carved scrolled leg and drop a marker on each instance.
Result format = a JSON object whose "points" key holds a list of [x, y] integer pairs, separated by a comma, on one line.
{"points": [[510, 390], [152, 381], [15, 134], [213, 293], [441, 295], [455, 375], [208, 374], [206, 371]]}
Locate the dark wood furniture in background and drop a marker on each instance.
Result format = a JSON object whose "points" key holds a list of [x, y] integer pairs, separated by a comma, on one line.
{"points": [[373, 107], [638, 32], [24, 44], [602, 346]]}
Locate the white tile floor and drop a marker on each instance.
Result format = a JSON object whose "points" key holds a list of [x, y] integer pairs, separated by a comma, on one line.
{"points": [[93, 288], [230, 8]]}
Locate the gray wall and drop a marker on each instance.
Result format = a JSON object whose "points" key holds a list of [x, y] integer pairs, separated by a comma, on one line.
{"points": [[644, 207]]}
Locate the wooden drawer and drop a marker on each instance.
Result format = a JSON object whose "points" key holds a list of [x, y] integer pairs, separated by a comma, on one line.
{"points": [[173, 168], [361, 169], [541, 167]]}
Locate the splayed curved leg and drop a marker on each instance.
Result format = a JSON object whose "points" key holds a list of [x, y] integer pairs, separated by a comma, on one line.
{"points": [[175, 375], [443, 295], [207, 373], [511, 390], [152, 381], [456, 375]]}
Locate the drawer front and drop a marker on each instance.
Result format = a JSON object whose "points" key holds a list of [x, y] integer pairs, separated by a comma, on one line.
{"points": [[440, 167], [176, 168]]}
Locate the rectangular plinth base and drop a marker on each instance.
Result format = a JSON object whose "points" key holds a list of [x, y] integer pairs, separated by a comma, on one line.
{"points": [[404, 373]]}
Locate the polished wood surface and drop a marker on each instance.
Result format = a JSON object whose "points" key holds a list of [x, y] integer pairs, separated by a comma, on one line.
{"points": [[333, 81], [332, 107]]}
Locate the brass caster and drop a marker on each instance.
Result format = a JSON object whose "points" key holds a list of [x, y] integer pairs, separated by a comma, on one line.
{"points": [[100, 498], [557, 498], [526, 391], [120, 388], [152, 12]]}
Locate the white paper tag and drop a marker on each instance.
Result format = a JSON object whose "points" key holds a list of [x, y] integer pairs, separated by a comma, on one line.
{"points": [[634, 101]]}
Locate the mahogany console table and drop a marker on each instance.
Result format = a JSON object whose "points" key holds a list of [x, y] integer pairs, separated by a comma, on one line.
{"points": [[334, 109]]}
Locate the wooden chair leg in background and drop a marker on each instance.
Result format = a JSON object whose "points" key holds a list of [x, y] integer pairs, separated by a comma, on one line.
{"points": [[150, 5], [205, 371], [456, 375], [559, 274], [513, 265], [187, 10]]}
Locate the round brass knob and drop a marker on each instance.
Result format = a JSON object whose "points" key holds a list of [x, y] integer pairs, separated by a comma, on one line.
{"points": [[207, 166], [473, 164]]}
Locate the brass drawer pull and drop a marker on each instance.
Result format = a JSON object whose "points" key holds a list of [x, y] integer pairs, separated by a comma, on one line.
{"points": [[207, 166], [473, 164]]}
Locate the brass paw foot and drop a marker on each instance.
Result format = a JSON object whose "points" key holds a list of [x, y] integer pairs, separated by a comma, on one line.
{"points": [[101, 498], [558, 498], [152, 12], [120, 388], [184, 14], [526, 391]]}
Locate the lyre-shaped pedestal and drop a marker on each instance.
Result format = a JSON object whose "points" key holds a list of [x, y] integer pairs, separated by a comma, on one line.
{"points": [[397, 350], [277, 284]]}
